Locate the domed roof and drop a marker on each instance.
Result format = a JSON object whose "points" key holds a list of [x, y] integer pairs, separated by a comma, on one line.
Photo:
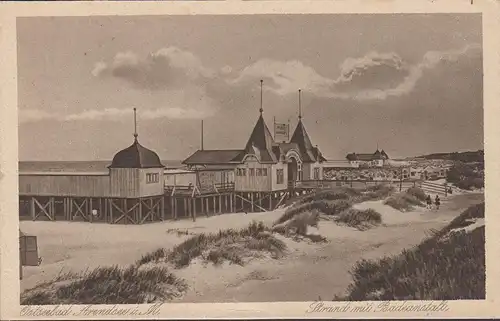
{"points": [[136, 156]]}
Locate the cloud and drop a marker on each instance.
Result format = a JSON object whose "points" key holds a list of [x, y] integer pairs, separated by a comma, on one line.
{"points": [[187, 103], [169, 67], [375, 76], [113, 114], [285, 77]]}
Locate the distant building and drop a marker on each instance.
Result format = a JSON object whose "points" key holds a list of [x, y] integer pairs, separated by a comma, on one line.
{"points": [[377, 159]]}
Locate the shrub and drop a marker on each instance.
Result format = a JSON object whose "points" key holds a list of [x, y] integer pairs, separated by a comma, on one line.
{"points": [[337, 207], [403, 201], [111, 285], [439, 268], [417, 192], [470, 183], [466, 176], [360, 219]]}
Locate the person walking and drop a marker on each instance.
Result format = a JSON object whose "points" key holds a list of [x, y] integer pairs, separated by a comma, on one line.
{"points": [[429, 202], [437, 201]]}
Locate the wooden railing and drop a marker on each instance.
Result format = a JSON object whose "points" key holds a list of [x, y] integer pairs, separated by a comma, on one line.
{"points": [[195, 190], [224, 187], [355, 183]]}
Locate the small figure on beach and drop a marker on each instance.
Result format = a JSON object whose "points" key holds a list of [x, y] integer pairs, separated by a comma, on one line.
{"points": [[450, 190], [437, 202], [429, 202]]}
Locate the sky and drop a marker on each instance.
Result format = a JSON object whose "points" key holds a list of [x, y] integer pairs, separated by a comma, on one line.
{"points": [[410, 84]]}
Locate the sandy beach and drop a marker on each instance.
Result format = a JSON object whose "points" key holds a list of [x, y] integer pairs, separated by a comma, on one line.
{"points": [[308, 272]]}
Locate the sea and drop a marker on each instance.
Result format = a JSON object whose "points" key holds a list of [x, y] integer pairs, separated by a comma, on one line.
{"points": [[77, 166]]}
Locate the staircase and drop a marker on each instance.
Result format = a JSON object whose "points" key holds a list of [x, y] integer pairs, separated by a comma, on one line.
{"points": [[434, 188]]}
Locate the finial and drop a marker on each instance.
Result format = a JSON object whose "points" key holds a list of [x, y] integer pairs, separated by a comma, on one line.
{"points": [[261, 109], [300, 106], [135, 124]]}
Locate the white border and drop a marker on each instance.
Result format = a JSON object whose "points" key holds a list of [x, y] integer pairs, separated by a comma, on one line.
{"points": [[9, 223]]}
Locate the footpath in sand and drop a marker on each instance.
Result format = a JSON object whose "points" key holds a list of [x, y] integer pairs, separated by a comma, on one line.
{"points": [[308, 272]]}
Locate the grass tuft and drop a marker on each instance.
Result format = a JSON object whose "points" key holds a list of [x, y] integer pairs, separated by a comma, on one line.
{"points": [[226, 245], [404, 201], [110, 285], [443, 267]]}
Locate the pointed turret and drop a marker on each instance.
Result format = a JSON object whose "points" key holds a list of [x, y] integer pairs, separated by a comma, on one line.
{"points": [[300, 137], [261, 140]]}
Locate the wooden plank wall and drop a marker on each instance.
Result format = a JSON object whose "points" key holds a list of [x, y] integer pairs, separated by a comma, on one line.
{"points": [[254, 183], [151, 189], [124, 182], [64, 185]]}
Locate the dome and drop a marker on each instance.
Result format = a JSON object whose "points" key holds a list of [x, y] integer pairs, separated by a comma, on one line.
{"points": [[136, 156]]}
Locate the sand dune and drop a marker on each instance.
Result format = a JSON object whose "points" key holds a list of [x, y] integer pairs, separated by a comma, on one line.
{"points": [[309, 271]]}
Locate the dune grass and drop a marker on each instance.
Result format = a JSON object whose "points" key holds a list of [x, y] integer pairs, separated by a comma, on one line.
{"points": [[109, 285], [337, 203], [360, 219], [233, 246], [443, 267], [407, 200]]}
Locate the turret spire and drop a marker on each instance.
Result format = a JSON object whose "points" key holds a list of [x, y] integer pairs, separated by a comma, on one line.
{"points": [[261, 109], [300, 106], [135, 124]]}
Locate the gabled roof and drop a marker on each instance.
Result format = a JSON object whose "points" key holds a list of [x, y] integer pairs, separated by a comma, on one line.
{"points": [[367, 157], [377, 155], [301, 138], [224, 156], [261, 143], [136, 156]]}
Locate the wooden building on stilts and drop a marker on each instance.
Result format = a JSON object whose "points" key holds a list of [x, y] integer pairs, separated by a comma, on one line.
{"points": [[132, 192], [266, 172]]}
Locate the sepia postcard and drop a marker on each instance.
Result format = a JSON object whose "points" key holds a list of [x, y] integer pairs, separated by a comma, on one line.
{"points": [[250, 160]]}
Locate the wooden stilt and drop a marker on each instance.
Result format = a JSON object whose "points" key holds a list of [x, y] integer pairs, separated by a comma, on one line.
{"points": [[110, 204], [194, 209], [251, 199], [206, 206], [213, 197], [172, 207], [231, 203], [162, 208], [139, 212], [32, 208], [91, 208], [220, 204]]}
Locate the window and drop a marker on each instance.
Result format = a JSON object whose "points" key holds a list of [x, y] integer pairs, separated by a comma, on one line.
{"points": [[258, 172], [264, 171], [251, 172], [241, 172], [316, 173], [279, 176], [152, 178]]}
